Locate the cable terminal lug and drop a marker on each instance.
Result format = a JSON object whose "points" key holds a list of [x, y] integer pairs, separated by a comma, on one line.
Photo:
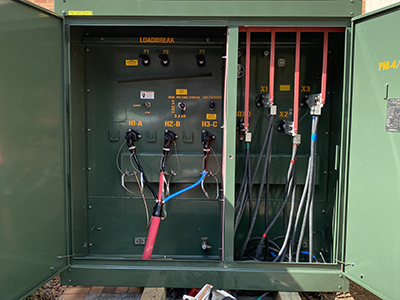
{"points": [[247, 137], [315, 104], [273, 110]]}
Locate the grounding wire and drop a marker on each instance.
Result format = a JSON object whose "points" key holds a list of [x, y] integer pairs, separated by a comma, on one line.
{"points": [[205, 192], [144, 199], [117, 158]]}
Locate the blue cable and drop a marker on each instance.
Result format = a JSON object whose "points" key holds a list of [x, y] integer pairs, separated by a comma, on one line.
{"points": [[203, 175], [307, 253]]}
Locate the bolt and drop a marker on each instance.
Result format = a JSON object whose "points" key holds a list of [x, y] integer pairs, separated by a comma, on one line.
{"points": [[361, 276], [69, 280], [326, 132], [89, 129], [90, 207], [351, 13], [230, 156], [87, 50], [87, 90], [101, 39], [207, 39], [323, 211], [340, 287], [340, 276], [64, 12], [69, 270], [90, 244], [89, 168], [325, 172], [51, 268]]}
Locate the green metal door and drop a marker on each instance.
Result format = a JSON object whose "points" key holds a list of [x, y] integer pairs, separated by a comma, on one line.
{"points": [[32, 164], [373, 219]]}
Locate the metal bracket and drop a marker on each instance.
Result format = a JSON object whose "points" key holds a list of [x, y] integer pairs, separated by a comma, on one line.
{"points": [[113, 138], [188, 139], [152, 139]]}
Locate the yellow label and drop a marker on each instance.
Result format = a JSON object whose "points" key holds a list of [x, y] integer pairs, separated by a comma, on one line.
{"points": [[181, 91], [211, 116], [136, 105], [131, 62], [157, 40], [386, 65], [135, 123], [284, 88], [80, 13]]}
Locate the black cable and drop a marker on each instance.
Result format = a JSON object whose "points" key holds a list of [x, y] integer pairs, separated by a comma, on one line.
{"points": [[144, 175], [260, 192], [288, 186]]}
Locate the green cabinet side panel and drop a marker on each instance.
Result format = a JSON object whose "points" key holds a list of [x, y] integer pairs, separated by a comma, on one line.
{"points": [[32, 180], [200, 8], [372, 240]]}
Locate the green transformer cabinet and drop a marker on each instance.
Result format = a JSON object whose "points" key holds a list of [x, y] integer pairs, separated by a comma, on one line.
{"points": [[251, 145]]}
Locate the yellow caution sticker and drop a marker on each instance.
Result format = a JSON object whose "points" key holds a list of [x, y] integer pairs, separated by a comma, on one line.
{"points": [[80, 13], [211, 116], [284, 88], [181, 91], [131, 62]]}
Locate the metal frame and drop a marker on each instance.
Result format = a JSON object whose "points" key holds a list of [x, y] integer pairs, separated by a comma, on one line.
{"points": [[228, 273]]}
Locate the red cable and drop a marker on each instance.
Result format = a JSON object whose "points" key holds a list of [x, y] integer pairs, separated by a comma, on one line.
{"points": [[247, 83], [324, 67], [272, 68], [155, 223], [296, 83]]}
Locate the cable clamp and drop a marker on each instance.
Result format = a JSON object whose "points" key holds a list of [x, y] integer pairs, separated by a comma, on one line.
{"points": [[206, 150], [315, 104], [133, 147], [166, 149], [297, 139]]}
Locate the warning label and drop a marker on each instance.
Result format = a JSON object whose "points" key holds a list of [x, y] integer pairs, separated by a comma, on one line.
{"points": [[146, 94], [131, 62]]}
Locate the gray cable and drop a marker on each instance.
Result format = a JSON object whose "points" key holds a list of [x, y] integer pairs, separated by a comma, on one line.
{"points": [[285, 242]]}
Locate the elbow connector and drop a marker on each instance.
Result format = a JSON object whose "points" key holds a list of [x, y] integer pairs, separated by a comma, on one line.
{"points": [[206, 138], [169, 137], [131, 137]]}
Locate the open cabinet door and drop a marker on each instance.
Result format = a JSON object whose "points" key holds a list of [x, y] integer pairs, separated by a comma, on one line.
{"points": [[32, 163], [373, 208]]}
